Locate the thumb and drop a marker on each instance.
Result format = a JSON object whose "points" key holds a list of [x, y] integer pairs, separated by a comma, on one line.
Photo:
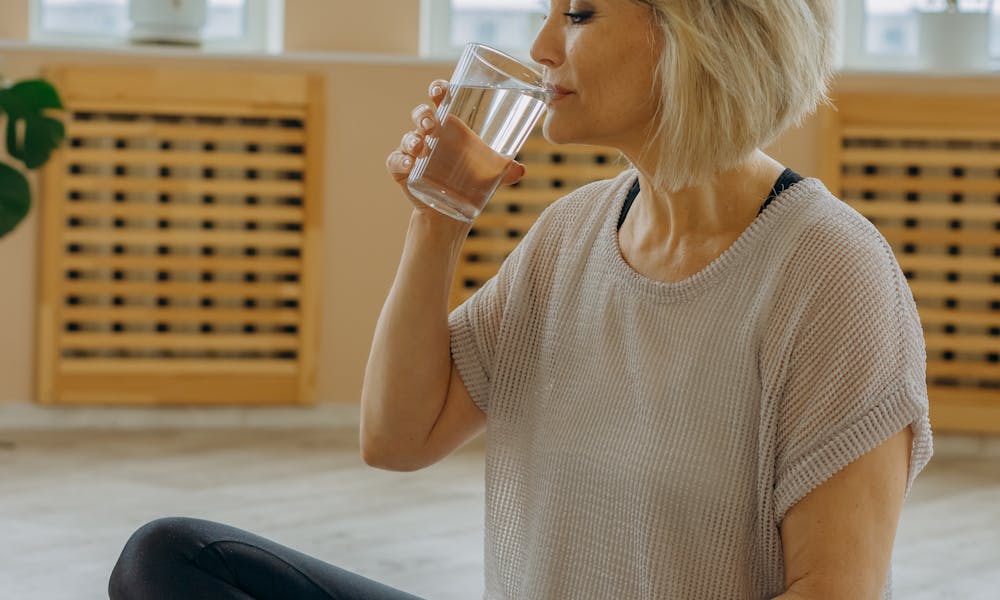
{"points": [[515, 171]]}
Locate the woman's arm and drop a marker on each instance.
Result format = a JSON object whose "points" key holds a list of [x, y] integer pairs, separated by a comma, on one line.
{"points": [[837, 540], [410, 379], [415, 408]]}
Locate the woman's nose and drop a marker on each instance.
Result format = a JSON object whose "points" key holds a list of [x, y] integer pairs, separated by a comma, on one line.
{"points": [[547, 47]]}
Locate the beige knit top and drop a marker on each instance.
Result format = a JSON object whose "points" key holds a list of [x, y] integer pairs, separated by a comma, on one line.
{"points": [[645, 439]]}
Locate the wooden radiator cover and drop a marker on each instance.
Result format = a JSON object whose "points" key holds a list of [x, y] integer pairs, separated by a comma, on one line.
{"points": [[552, 172], [180, 230], [925, 169]]}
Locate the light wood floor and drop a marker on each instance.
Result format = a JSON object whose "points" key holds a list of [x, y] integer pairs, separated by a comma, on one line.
{"points": [[69, 500]]}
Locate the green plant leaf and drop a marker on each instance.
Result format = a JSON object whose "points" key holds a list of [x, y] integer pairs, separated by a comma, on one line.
{"points": [[32, 136], [15, 198]]}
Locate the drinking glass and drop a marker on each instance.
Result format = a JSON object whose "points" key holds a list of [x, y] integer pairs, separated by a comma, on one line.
{"points": [[492, 104]]}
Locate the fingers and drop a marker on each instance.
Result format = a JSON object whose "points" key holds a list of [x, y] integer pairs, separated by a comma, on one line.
{"points": [[423, 117], [437, 90], [513, 174], [400, 162], [399, 165]]}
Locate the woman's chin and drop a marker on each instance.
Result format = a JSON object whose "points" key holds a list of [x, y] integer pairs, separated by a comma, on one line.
{"points": [[555, 133]]}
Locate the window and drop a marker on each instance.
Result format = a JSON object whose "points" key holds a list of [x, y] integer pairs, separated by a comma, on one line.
{"points": [[874, 33], [231, 24], [892, 27], [510, 25]]}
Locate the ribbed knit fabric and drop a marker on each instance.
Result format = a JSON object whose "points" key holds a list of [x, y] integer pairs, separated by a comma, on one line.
{"points": [[645, 439]]}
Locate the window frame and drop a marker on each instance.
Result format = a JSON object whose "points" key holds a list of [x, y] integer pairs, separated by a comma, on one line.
{"points": [[264, 29], [435, 38]]}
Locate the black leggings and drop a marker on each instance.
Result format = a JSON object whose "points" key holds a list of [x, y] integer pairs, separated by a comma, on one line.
{"points": [[190, 559]]}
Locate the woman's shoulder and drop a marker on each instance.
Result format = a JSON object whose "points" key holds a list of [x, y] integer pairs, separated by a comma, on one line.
{"points": [[834, 247], [833, 229]]}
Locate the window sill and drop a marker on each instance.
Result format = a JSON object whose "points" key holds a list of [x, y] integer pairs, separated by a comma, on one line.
{"points": [[208, 52]]}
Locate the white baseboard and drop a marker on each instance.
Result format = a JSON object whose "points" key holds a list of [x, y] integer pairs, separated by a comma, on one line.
{"points": [[28, 415]]}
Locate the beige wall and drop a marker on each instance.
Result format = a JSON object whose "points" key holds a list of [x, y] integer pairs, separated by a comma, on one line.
{"points": [[13, 20], [387, 26]]}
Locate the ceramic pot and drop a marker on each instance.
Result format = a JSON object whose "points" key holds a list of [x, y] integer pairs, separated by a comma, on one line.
{"points": [[167, 21]]}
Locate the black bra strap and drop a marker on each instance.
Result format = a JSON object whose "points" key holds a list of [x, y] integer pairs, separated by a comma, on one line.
{"points": [[787, 179], [632, 193]]}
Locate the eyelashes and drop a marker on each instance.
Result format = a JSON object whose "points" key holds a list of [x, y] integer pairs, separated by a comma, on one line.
{"points": [[579, 18]]}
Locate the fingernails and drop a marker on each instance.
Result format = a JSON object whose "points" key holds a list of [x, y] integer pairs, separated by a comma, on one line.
{"points": [[436, 90], [411, 144], [407, 163], [427, 123]]}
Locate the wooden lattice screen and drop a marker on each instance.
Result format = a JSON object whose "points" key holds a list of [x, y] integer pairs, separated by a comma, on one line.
{"points": [[925, 169], [552, 171], [179, 235]]}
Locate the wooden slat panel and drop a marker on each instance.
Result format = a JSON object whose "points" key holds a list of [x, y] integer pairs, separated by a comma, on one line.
{"points": [[176, 341], [926, 184], [538, 144], [181, 288], [240, 212], [964, 409], [480, 271], [179, 367], [964, 212], [163, 86], [950, 116], [174, 390], [937, 316], [576, 172], [912, 132], [181, 263], [257, 187], [957, 264], [932, 157], [124, 117], [490, 245], [243, 160], [204, 237], [505, 221], [145, 130], [962, 343], [944, 368], [193, 108], [526, 196], [902, 235], [134, 314], [962, 290]]}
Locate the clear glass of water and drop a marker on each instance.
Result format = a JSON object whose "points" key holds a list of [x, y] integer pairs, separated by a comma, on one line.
{"points": [[492, 104]]}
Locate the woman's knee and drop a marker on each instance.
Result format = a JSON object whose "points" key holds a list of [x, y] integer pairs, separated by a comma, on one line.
{"points": [[153, 546]]}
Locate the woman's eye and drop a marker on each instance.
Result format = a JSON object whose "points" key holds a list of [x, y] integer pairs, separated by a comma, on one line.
{"points": [[578, 18]]}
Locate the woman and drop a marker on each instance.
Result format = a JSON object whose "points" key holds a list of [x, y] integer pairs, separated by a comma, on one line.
{"points": [[701, 379]]}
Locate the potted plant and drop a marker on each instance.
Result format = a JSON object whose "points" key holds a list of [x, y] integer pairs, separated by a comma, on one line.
{"points": [[31, 136], [956, 38]]}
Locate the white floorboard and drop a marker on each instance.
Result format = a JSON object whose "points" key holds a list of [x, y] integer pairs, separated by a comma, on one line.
{"points": [[70, 499]]}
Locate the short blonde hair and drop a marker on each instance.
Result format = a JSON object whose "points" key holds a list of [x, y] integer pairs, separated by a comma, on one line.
{"points": [[733, 75]]}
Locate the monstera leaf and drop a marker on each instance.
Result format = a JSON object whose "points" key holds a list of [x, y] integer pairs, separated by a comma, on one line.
{"points": [[31, 137], [15, 198]]}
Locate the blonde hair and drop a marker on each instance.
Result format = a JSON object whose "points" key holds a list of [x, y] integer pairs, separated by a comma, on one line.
{"points": [[733, 75]]}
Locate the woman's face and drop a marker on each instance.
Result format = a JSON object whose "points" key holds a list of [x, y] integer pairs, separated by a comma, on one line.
{"points": [[601, 55]]}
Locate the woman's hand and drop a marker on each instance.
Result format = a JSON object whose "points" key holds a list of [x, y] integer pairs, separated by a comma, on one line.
{"points": [[414, 145]]}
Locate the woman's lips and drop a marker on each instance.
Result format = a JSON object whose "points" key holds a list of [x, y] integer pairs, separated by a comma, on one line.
{"points": [[558, 92]]}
